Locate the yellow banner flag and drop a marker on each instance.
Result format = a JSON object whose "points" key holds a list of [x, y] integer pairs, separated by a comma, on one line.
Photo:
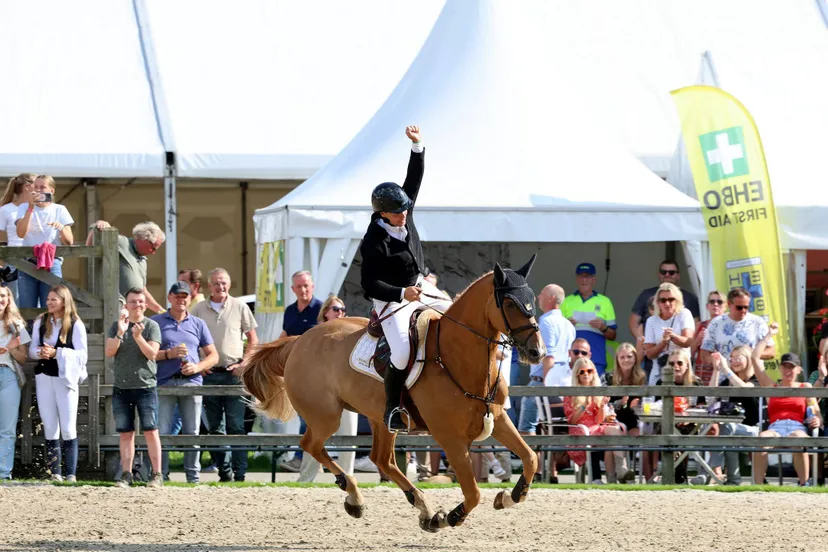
{"points": [[732, 182], [270, 286]]}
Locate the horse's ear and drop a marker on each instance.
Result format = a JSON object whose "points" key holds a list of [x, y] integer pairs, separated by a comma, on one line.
{"points": [[499, 275], [525, 269]]}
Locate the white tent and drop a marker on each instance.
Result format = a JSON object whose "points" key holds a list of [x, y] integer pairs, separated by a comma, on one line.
{"points": [[76, 98], [275, 88], [512, 156]]}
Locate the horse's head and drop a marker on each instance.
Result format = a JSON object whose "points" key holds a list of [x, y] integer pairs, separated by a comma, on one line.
{"points": [[513, 310]]}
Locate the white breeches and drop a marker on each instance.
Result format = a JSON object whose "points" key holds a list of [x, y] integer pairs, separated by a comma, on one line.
{"points": [[58, 407], [396, 327]]}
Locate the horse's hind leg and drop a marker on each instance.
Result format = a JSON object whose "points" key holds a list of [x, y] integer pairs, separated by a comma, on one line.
{"points": [[313, 442], [382, 454], [505, 432]]}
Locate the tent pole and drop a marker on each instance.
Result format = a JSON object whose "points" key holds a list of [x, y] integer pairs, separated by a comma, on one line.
{"points": [[170, 223], [244, 253]]}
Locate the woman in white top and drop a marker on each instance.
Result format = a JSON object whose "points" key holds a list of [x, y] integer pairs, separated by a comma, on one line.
{"points": [[8, 217], [671, 329], [59, 345], [13, 340], [39, 220]]}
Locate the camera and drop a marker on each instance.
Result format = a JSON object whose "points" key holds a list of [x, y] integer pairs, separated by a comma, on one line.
{"points": [[8, 274]]}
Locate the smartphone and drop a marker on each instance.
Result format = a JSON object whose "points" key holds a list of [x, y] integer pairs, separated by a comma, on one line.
{"points": [[47, 197]]}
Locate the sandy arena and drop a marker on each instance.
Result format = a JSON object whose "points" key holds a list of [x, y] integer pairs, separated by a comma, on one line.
{"points": [[255, 519]]}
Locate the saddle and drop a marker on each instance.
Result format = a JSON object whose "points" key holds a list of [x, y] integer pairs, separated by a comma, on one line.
{"points": [[382, 358], [382, 354]]}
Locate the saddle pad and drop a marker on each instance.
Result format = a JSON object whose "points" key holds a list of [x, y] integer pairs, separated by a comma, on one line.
{"points": [[365, 348]]}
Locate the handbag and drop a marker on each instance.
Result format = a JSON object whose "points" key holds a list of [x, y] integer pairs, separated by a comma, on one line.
{"points": [[16, 366]]}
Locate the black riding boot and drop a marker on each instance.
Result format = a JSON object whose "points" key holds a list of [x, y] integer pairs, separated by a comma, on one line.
{"points": [[394, 380]]}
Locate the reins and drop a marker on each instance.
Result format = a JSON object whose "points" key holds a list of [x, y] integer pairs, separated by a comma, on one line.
{"points": [[508, 341]]}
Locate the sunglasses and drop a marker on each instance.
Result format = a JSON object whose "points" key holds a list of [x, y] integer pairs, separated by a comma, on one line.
{"points": [[676, 363], [741, 307], [579, 352], [715, 302], [338, 309], [668, 272], [586, 372], [663, 300]]}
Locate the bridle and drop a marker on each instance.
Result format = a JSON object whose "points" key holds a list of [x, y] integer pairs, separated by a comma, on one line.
{"points": [[509, 341]]}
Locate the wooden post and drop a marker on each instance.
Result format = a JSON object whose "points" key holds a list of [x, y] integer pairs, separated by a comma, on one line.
{"points": [[668, 426], [109, 292], [94, 425], [26, 454]]}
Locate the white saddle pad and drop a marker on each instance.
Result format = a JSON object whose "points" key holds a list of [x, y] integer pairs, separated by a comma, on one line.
{"points": [[366, 347]]}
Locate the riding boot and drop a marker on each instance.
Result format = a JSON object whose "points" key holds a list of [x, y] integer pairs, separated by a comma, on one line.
{"points": [[53, 456], [394, 380], [70, 456]]}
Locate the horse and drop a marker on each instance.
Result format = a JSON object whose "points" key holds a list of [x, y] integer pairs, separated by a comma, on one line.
{"points": [[459, 384]]}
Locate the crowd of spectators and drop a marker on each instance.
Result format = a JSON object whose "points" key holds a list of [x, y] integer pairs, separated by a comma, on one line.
{"points": [[201, 339]]}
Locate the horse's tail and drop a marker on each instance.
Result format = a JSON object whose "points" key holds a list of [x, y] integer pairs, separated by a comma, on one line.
{"points": [[263, 376]]}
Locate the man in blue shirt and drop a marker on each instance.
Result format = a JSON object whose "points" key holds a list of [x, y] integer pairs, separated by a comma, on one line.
{"points": [[299, 317], [182, 335], [302, 315]]}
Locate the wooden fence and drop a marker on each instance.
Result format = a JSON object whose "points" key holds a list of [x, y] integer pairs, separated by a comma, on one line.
{"points": [[98, 308]]}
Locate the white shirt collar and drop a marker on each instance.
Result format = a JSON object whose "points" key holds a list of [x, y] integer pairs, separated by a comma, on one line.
{"points": [[396, 232]]}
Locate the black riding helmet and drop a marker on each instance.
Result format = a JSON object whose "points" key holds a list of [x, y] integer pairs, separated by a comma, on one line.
{"points": [[389, 197]]}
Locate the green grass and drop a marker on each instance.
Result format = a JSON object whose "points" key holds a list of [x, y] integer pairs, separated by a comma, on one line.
{"points": [[626, 488], [259, 463]]}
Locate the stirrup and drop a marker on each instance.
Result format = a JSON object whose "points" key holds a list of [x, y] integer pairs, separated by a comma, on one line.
{"points": [[399, 410]]}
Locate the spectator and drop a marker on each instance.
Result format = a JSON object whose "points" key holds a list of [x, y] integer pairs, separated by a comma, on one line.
{"points": [[147, 238], [737, 327], [819, 378], [591, 412], [182, 335], [194, 278], [40, 221], [738, 373], [671, 328], [133, 341], [229, 321], [668, 273], [715, 302], [14, 196], [59, 346], [303, 314], [13, 341], [592, 314], [627, 371], [299, 317], [787, 415], [679, 360], [332, 309], [558, 334]]}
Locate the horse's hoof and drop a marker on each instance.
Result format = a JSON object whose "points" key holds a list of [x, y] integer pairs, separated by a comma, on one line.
{"points": [[437, 522], [355, 510], [503, 500]]}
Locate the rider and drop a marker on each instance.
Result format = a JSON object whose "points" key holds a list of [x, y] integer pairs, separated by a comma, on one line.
{"points": [[394, 270]]}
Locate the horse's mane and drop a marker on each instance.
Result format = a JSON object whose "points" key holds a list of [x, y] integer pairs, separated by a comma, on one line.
{"points": [[471, 285]]}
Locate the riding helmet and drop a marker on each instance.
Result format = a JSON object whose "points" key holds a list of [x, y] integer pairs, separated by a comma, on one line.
{"points": [[389, 197]]}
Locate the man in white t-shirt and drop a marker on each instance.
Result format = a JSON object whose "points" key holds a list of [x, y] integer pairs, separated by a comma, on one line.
{"points": [[39, 220], [735, 328]]}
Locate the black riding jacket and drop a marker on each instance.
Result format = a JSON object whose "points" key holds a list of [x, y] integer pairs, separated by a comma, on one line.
{"points": [[388, 264]]}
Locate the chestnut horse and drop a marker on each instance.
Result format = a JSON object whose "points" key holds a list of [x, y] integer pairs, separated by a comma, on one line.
{"points": [[459, 384]]}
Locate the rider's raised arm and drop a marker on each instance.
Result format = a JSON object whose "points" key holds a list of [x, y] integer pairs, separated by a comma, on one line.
{"points": [[416, 163]]}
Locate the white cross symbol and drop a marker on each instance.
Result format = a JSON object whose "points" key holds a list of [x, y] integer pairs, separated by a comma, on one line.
{"points": [[725, 153]]}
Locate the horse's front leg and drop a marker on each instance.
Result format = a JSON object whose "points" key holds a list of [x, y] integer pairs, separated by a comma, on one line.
{"points": [[458, 456], [505, 432], [382, 454]]}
